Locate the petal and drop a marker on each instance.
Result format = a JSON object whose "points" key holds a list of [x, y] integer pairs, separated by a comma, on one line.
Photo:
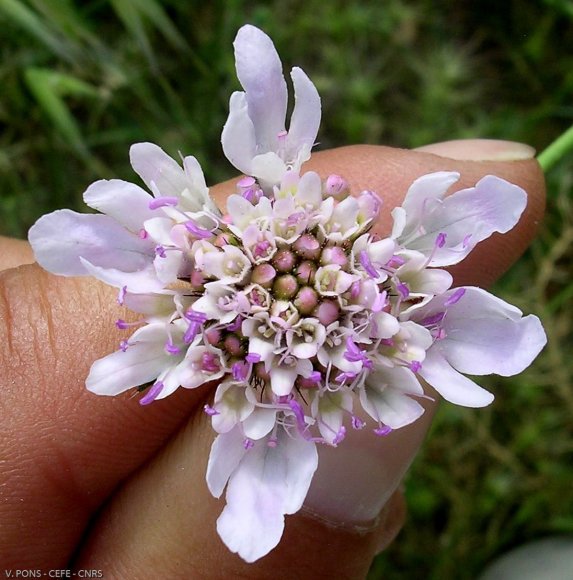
{"points": [[269, 168], [141, 363], [158, 170], [259, 423], [305, 119], [140, 282], [469, 216], [126, 202], [309, 191], [226, 453], [485, 334], [238, 137], [453, 386], [61, 239], [268, 483], [282, 379], [260, 72]]}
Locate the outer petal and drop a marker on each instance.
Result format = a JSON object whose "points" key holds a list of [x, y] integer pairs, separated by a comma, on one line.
{"points": [[267, 484], [467, 217], [238, 137], [62, 238], [226, 454], [453, 386], [142, 362], [260, 72], [305, 119], [140, 282], [385, 397], [157, 169], [485, 334], [126, 202]]}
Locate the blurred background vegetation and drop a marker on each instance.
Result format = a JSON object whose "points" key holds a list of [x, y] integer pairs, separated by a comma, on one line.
{"points": [[81, 81]]}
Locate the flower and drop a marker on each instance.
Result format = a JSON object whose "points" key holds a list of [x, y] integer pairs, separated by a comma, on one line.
{"points": [[310, 322]]}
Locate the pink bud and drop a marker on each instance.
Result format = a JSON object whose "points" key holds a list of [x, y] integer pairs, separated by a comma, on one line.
{"points": [[334, 255], [306, 300], [285, 287], [212, 335], [261, 372], [284, 260], [263, 274], [233, 345], [305, 272], [308, 247], [337, 187], [327, 312]]}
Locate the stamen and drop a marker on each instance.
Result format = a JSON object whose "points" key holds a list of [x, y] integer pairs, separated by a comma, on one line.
{"points": [[441, 240], [253, 357], [197, 231], [367, 264], [123, 345], [455, 297], [404, 290], [383, 430], [121, 295], [357, 423], [152, 394], [415, 366], [248, 443], [339, 436], [240, 371], [211, 411], [163, 202], [171, 348], [160, 251]]}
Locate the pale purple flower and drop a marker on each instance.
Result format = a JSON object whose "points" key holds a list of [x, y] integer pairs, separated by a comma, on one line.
{"points": [[310, 324]]}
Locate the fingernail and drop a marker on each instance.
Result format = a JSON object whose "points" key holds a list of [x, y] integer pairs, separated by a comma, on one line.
{"points": [[355, 480], [480, 150]]}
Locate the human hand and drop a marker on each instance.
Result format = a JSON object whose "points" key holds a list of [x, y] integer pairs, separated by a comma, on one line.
{"points": [[103, 483]]}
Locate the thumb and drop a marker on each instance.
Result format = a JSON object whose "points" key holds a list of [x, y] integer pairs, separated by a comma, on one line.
{"points": [[163, 517]]}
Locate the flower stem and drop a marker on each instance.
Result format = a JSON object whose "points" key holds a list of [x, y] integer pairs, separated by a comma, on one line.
{"points": [[550, 156]]}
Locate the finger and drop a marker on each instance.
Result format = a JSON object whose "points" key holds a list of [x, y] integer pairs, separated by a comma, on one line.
{"points": [[168, 501], [14, 253]]}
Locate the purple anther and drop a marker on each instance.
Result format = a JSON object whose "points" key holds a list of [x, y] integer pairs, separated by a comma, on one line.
{"points": [[171, 348], [235, 325], [439, 334], [441, 240], [339, 436], [345, 376], [123, 345], [357, 423], [211, 411], [432, 320], [355, 354], [197, 230], [261, 249], [253, 357], [195, 316], [210, 363], [395, 262], [466, 241], [367, 264], [415, 366], [191, 332], [315, 377], [152, 394], [143, 235], [355, 290], [455, 297], [160, 251], [282, 135], [121, 295], [246, 181], [404, 290], [379, 302], [240, 371], [248, 443], [382, 431], [122, 324], [299, 415], [295, 218], [163, 201]]}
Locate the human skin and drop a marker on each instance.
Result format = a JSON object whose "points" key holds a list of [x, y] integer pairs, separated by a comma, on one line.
{"points": [[104, 483]]}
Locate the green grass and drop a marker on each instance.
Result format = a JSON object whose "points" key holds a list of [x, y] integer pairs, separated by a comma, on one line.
{"points": [[81, 81]]}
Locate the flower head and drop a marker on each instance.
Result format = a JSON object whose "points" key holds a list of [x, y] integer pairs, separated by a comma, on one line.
{"points": [[309, 323]]}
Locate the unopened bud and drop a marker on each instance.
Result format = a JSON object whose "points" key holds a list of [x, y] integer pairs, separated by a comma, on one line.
{"points": [[305, 272], [327, 312], [284, 260], [212, 335], [308, 247], [306, 300], [337, 187], [334, 255], [263, 274], [285, 287], [233, 345], [261, 372]]}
